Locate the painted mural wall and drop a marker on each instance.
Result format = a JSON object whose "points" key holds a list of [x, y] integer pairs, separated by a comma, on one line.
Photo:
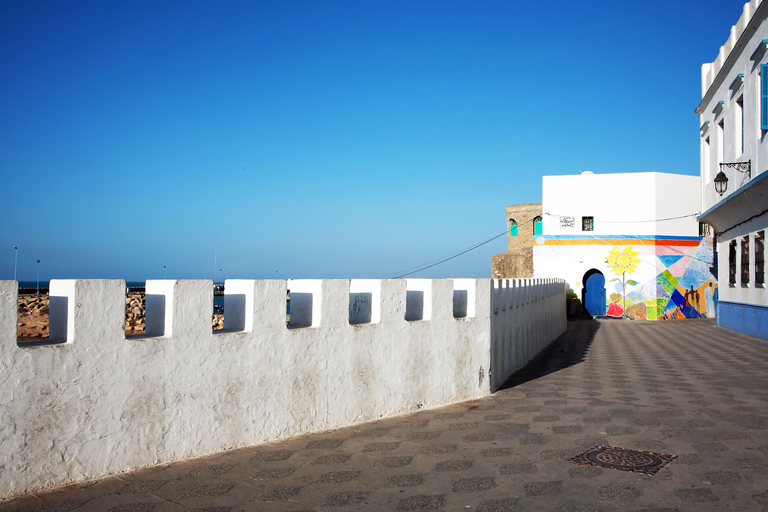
{"points": [[649, 278]]}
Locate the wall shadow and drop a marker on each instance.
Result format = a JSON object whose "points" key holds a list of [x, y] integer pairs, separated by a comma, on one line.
{"points": [[360, 308], [154, 315], [569, 349], [460, 302], [414, 305]]}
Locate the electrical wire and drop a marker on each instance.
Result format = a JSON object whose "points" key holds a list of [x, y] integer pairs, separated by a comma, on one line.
{"points": [[434, 263], [632, 221]]}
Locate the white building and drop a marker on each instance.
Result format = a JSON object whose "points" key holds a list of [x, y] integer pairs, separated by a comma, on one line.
{"points": [[607, 233], [734, 129]]}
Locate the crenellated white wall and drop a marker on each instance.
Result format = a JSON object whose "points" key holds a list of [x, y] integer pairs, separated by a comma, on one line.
{"points": [[91, 402], [527, 315]]}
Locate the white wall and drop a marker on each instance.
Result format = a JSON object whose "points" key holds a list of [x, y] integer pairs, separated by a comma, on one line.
{"points": [[93, 402], [718, 78], [622, 203], [527, 315]]}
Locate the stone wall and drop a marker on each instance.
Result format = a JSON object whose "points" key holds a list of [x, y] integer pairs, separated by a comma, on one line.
{"points": [[91, 401], [517, 263]]}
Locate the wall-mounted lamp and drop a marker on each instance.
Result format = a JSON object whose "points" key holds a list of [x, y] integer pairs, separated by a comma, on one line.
{"points": [[721, 180]]}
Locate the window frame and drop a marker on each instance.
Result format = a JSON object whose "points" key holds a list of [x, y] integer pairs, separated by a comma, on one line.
{"points": [[537, 225], [745, 260], [764, 96], [512, 224], [740, 119], [732, 263], [587, 223], [760, 258]]}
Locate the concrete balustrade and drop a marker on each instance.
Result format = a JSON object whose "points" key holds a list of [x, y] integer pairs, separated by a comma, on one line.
{"points": [[92, 402]]}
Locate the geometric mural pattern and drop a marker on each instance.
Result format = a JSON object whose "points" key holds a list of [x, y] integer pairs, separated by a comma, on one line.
{"points": [[684, 286]]}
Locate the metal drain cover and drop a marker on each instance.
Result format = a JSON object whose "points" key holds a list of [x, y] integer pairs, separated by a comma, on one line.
{"points": [[623, 459]]}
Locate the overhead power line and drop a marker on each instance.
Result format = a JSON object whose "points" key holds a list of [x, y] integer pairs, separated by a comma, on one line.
{"points": [[434, 263]]}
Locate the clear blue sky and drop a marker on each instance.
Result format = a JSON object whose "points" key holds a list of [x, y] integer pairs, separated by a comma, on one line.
{"points": [[333, 139]]}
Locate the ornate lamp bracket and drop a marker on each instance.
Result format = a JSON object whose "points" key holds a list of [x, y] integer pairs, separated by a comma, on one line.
{"points": [[745, 167]]}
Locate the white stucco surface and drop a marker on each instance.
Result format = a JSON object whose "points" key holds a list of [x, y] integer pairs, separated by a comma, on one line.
{"points": [[95, 403], [622, 203], [731, 132]]}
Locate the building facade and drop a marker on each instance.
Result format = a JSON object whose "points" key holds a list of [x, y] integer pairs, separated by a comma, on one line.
{"points": [[628, 244], [524, 221], [733, 130]]}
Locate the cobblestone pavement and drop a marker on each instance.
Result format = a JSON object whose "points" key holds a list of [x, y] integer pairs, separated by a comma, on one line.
{"points": [[684, 388]]}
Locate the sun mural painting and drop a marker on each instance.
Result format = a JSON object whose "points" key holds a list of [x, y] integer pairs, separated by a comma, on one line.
{"points": [[622, 262]]}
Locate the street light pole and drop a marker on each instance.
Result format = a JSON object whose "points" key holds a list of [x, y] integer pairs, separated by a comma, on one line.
{"points": [[38, 277], [16, 262], [163, 271]]}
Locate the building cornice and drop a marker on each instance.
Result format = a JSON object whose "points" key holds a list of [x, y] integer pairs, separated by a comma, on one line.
{"points": [[738, 48]]}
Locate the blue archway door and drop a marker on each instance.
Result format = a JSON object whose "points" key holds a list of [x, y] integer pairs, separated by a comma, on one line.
{"points": [[594, 292]]}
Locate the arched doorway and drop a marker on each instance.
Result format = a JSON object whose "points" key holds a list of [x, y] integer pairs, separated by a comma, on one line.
{"points": [[594, 292]]}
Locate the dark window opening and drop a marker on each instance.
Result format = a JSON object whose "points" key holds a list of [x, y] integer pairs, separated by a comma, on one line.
{"points": [[760, 258], [587, 223], [745, 260], [732, 262]]}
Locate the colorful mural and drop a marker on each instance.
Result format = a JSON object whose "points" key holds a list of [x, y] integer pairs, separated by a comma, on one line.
{"points": [[683, 287], [651, 277]]}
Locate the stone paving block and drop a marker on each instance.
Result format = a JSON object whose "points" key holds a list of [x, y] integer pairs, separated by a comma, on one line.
{"points": [[538, 488], [618, 492], [421, 502], [454, 465], [696, 495], [473, 484], [518, 468], [502, 505]]}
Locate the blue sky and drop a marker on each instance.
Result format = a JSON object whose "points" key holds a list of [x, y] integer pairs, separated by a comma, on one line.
{"points": [[325, 139]]}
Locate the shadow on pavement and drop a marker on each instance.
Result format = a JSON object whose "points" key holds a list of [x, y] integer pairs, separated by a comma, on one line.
{"points": [[567, 350]]}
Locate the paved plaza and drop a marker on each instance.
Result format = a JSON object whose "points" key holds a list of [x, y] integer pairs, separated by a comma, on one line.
{"points": [[684, 388]]}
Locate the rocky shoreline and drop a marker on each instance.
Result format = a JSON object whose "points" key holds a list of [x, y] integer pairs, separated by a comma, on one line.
{"points": [[33, 316]]}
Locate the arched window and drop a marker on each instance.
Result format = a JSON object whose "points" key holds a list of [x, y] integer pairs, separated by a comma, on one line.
{"points": [[512, 227], [537, 226]]}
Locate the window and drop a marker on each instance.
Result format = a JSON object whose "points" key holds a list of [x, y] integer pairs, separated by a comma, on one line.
{"points": [[587, 223], [760, 258], [764, 96], [537, 226], [721, 142], [732, 262], [740, 124], [512, 227], [704, 229], [706, 171], [745, 260]]}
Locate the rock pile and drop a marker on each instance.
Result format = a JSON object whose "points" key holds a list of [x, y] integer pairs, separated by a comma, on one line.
{"points": [[134, 313], [33, 316]]}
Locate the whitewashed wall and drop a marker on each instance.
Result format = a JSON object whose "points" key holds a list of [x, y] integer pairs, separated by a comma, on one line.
{"points": [[92, 402], [640, 203], [527, 315], [741, 138]]}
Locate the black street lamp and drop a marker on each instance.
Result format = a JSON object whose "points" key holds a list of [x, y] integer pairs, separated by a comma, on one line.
{"points": [[721, 180], [721, 183]]}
